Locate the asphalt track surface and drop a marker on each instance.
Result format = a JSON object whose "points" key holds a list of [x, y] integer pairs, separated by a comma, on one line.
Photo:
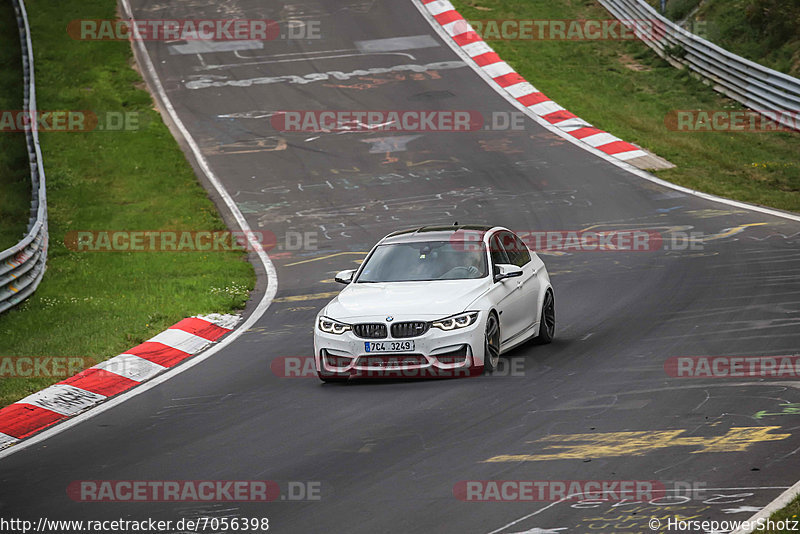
{"points": [[388, 453]]}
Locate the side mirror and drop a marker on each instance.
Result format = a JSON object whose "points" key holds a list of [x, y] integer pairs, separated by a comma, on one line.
{"points": [[345, 277], [506, 270]]}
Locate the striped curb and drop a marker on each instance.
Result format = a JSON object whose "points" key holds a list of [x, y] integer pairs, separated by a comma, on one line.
{"points": [[96, 384], [526, 94]]}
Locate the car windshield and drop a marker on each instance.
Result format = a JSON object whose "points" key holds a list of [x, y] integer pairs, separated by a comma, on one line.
{"points": [[425, 261]]}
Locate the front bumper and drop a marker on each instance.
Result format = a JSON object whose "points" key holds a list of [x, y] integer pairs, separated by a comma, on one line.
{"points": [[436, 352]]}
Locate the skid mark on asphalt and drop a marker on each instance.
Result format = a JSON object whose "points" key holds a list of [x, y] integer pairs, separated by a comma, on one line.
{"points": [[581, 446]]}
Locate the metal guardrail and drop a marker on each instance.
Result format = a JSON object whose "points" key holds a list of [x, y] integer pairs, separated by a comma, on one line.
{"points": [[22, 266], [757, 87]]}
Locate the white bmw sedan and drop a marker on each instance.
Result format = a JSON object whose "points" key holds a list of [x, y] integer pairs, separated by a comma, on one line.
{"points": [[435, 301]]}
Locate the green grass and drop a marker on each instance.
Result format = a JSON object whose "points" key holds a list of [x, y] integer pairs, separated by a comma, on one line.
{"points": [[99, 304], [15, 185], [596, 81]]}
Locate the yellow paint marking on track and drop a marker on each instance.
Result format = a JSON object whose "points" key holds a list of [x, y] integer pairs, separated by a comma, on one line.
{"points": [[312, 296], [710, 213], [429, 161], [580, 446], [324, 258], [730, 231]]}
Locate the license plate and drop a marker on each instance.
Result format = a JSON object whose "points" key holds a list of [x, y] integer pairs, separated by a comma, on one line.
{"points": [[388, 346]]}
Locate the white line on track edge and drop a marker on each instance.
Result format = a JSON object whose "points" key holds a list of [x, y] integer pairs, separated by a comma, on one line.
{"points": [[258, 312]]}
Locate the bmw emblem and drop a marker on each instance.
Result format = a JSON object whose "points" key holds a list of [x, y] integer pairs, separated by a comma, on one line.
{"points": [[390, 319]]}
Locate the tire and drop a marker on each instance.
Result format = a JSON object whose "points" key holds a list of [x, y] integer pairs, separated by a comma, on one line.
{"points": [[491, 344], [547, 322]]}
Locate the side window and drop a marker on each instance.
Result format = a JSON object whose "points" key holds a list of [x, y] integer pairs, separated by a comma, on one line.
{"points": [[497, 251], [523, 256], [517, 252]]}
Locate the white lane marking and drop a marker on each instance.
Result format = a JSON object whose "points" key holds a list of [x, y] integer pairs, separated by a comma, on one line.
{"points": [[255, 114], [291, 60], [180, 340], [740, 509], [258, 312], [63, 399], [210, 47], [395, 44], [131, 366], [445, 36], [207, 82]]}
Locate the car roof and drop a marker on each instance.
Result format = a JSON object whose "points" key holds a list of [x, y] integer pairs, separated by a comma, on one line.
{"points": [[432, 233]]}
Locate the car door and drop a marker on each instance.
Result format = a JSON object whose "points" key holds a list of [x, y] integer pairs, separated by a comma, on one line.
{"points": [[505, 293], [530, 285], [522, 303]]}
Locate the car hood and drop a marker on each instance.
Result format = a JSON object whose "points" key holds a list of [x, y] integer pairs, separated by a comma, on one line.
{"points": [[425, 300]]}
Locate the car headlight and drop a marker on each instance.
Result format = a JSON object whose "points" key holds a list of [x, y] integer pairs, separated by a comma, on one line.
{"points": [[462, 320], [329, 326]]}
